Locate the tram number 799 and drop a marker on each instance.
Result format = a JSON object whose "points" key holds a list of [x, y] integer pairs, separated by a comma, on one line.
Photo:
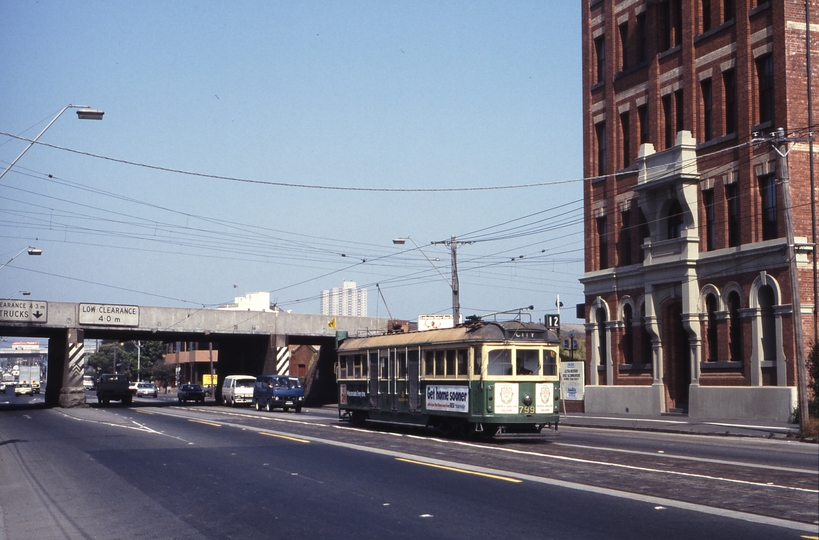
{"points": [[526, 410]]}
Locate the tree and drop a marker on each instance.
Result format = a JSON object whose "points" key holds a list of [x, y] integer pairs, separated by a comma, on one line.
{"points": [[151, 352], [164, 373], [102, 361]]}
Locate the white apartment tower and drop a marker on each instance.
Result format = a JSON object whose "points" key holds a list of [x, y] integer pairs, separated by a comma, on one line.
{"points": [[348, 300]]}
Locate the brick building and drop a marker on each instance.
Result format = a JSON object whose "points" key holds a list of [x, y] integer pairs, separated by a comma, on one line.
{"points": [[688, 295]]}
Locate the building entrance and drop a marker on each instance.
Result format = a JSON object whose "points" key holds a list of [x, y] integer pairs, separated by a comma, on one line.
{"points": [[676, 362]]}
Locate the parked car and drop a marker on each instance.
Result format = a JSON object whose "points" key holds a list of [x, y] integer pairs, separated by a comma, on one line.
{"points": [[238, 389], [23, 389], [278, 392], [191, 392], [132, 386], [146, 389]]}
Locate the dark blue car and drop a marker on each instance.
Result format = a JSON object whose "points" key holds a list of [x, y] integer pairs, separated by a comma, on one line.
{"points": [[278, 392]]}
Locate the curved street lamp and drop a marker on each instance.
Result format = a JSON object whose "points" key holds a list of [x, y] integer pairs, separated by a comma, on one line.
{"points": [[84, 112], [31, 251]]}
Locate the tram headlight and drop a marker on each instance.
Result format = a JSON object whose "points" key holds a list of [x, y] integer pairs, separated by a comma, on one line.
{"points": [[489, 408], [527, 399]]}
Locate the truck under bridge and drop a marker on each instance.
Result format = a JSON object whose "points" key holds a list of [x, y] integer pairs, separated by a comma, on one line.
{"points": [[246, 341]]}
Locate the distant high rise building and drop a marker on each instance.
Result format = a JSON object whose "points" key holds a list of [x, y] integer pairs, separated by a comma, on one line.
{"points": [[348, 300]]}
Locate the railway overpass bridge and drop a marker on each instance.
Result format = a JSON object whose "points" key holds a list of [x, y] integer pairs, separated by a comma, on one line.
{"points": [[246, 341]]}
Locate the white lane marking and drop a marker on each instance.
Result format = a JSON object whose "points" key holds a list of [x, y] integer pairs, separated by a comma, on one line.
{"points": [[691, 458], [615, 450], [141, 427], [657, 501], [561, 458]]}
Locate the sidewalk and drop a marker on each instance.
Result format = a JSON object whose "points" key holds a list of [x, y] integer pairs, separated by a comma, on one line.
{"points": [[678, 423]]}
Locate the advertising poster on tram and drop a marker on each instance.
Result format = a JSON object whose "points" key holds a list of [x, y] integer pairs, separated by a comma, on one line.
{"points": [[448, 398], [506, 398]]}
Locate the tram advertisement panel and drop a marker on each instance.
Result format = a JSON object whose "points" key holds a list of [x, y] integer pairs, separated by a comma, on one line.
{"points": [[353, 394], [544, 400], [506, 398], [448, 398]]}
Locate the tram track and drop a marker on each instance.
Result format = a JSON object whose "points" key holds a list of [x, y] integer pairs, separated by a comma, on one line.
{"points": [[781, 492]]}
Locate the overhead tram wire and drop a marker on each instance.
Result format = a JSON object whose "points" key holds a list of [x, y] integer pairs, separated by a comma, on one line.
{"points": [[341, 188]]}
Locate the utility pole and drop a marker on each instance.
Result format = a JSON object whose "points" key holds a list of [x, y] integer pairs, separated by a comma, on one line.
{"points": [[456, 300], [780, 144]]}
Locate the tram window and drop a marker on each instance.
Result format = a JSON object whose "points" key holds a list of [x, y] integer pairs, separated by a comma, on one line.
{"points": [[450, 362], [385, 368], [439, 363], [371, 364], [342, 367], [526, 362], [463, 363], [500, 362], [401, 366], [476, 361], [356, 367], [429, 363], [549, 363]]}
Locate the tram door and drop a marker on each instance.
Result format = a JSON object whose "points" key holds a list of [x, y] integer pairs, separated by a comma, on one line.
{"points": [[413, 368], [373, 382]]}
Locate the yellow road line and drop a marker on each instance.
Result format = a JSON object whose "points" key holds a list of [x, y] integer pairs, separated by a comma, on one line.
{"points": [[143, 412], [203, 422], [283, 437], [465, 471]]}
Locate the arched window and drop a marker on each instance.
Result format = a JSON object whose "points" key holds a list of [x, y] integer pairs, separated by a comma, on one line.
{"points": [[735, 333], [602, 350], [628, 335], [766, 303], [711, 309], [675, 220]]}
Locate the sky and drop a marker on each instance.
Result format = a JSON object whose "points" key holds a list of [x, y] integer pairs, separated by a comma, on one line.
{"points": [[282, 146]]}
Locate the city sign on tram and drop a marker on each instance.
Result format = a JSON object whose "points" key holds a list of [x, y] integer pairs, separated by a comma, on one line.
{"points": [[28, 311], [109, 315]]}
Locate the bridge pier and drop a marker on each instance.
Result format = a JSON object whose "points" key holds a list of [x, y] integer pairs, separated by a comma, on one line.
{"points": [[72, 391]]}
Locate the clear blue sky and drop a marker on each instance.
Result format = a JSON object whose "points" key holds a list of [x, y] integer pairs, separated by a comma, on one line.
{"points": [[285, 101]]}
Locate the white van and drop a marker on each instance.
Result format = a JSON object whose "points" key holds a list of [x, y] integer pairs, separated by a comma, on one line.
{"points": [[238, 389]]}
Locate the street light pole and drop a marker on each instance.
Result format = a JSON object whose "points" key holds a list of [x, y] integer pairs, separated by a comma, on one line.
{"points": [[84, 113], [31, 251]]}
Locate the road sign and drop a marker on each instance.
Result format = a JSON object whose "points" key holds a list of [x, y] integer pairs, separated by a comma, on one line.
{"points": [[552, 321], [30, 311], [109, 314]]}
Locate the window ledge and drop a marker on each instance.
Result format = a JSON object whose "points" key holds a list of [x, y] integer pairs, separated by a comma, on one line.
{"points": [[718, 365], [717, 140], [631, 69], [757, 9], [669, 52], [714, 30], [763, 126], [597, 86], [633, 367]]}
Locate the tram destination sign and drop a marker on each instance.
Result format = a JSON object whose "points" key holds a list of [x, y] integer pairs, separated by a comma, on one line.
{"points": [[28, 311], [109, 314]]}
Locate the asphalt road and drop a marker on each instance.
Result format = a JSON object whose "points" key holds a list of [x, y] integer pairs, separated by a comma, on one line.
{"points": [[160, 470]]}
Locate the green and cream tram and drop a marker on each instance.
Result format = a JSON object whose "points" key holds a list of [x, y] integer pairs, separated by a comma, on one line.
{"points": [[489, 378]]}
